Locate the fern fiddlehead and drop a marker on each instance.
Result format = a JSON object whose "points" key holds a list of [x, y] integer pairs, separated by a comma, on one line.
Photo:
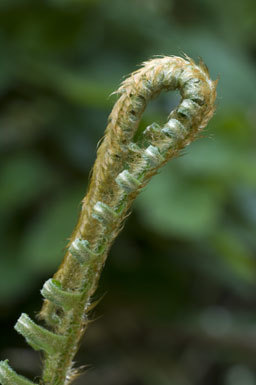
{"points": [[125, 163]]}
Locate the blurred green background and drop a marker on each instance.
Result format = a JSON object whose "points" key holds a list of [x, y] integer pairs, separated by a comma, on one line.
{"points": [[180, 281]]}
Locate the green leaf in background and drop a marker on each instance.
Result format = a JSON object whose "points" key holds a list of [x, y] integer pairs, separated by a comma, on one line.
{"points": [[46, 236], [237, 255], [173, 206], [23, 178]]}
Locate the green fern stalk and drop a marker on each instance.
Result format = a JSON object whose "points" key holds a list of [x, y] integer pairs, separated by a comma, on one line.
{"points": [[126, 161]]}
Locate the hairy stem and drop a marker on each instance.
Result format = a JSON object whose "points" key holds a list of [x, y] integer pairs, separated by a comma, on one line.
{"points": [[126, 161]]}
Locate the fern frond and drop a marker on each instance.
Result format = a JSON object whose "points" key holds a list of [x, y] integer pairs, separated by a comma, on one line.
{"points": [[126, 161]]}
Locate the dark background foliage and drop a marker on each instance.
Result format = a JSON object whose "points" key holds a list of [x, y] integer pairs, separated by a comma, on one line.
{"points": [[180, 280]]}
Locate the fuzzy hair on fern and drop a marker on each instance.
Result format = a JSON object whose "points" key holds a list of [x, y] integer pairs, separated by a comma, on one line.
{"points": [[125, 163]]}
